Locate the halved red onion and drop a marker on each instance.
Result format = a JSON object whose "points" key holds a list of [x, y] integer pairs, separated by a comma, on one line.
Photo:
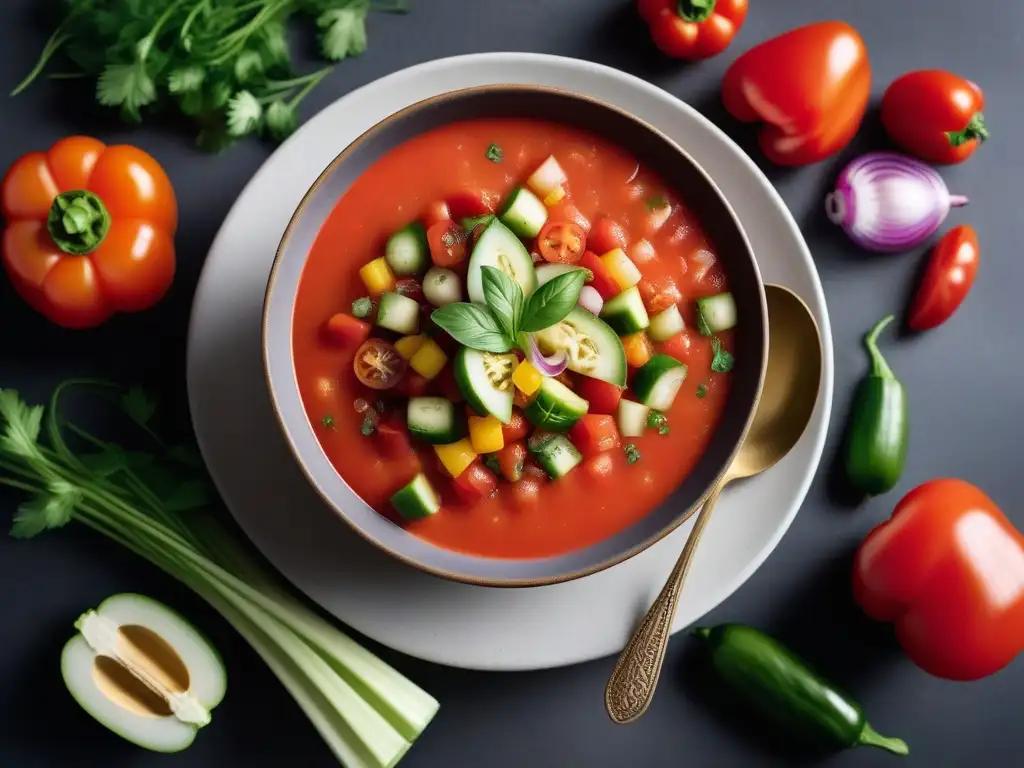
{"points": [[888, 202], [548, 366], [591, 300]]}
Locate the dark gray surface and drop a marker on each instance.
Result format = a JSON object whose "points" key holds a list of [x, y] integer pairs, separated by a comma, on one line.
{"points": [[963, 380]]}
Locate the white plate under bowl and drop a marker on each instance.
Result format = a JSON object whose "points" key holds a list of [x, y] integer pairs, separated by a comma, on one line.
{"points": [[427, 617]]}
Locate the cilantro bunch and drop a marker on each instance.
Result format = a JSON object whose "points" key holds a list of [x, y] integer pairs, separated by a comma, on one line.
{"points": [[224, 63]]}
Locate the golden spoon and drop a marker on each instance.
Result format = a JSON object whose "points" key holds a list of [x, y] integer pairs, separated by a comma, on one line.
{"points": [[787, 400]]}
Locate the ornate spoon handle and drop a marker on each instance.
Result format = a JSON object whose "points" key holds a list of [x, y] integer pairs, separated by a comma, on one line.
{"points": [[631, 686]]}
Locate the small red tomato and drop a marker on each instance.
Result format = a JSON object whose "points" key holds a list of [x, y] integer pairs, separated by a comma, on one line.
{"points": [[467, 203], [659, 294], [602, 396], [950, 274], [561, 242], [436, 212], [607, 235], [410, 286], [595, 434], [511, 460], [516, 429], [678, 346], [475, 483], [935, 115], [347, 331], [378, 365], [447, 242]]}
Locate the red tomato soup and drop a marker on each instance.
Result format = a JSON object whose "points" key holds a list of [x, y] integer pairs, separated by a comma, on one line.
{"points": [[549, 481]]}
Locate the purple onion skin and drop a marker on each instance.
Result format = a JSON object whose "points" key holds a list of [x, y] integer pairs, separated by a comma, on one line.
{"points": [[902, 202]]}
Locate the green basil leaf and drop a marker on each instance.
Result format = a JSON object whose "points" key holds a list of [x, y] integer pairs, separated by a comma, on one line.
{"points": [[472, 326], [504, 298], [552, 301]]}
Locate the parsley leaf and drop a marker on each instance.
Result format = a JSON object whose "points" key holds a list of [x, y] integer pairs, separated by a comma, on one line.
{"points": [[362, 307], [192, 494], [368, 427], [723, 360], [702, 390], [343, 30], [632, 453], [328, 422], [249, 66], [281, 120], [659, 421], [186, 80], [23, 421], [50, 509], [495, 153], [244, 114], [139, 406], [128, 86]]}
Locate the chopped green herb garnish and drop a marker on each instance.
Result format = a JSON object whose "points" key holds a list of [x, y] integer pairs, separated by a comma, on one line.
{"points": [[491, 462], [495, 154], [701, 390], [632, 453], [657, 420], [723, 360], [702, 324], [362, 307], [368, 427], [328, 422], [656, 202]]}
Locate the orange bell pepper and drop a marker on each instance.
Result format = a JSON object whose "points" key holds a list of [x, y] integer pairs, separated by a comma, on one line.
{"points": [[90, 230], [810, 85], [948, 571]]}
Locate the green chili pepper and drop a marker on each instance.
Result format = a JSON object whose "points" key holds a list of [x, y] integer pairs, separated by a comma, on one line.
{"points": [[876, 450], [778, 682]]}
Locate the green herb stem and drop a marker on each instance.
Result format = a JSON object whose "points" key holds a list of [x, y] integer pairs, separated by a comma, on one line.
{"points": [[57, 41]]}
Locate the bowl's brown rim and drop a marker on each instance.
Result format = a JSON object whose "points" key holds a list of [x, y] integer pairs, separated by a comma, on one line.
{"points": [[461, 577]]}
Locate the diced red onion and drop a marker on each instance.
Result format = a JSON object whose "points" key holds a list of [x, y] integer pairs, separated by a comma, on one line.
{"points": [[548, 366], [591, 300], [888, 202]]}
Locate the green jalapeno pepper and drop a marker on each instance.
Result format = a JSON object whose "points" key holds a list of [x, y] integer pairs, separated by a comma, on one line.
{"points": [[876, 449]]}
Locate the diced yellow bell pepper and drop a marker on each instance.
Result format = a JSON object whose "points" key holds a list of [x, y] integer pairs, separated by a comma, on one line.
{"points": [[623, 271], [456, 456], [485, 434], [638, 349], [527, 378], [555, 196], [429, 359], [408, 346], [378, 277]]}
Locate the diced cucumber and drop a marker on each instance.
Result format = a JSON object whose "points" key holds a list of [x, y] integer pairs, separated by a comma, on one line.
{"points": [[441, 286], [485, 380], [631, 418], [548, 272], [556, 455], [547, 178], [417, 499], [555, 407], [625, 313], [524, 213], [497, 247], [658, 381], [398, 313], [716, 313], [407, 251], [435, 420], [666, 324], [471, 223], [592, 347]]}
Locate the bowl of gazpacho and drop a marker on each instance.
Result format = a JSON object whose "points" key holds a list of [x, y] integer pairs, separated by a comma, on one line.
{"points": [[514, 335]]}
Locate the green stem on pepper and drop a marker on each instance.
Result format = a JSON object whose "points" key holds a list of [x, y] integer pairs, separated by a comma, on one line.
{"points": [[696, 10], [78, 221]]}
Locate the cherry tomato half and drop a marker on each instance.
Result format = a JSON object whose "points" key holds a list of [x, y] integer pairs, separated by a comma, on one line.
{"points": [[562, 242], [411, 287], [378, 365], [950, 274], [447, 243]]}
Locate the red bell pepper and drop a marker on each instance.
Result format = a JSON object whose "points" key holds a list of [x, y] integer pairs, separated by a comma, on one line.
{"points": [[810, 86], [595, 434], [475, 483], [602, 396], [392, 439], [603, 281], [347, 331], [948, 571], [516, 429], [693, 29]]}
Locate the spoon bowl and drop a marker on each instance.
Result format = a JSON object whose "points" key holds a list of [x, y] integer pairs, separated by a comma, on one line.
{"points": [[791, 384]]}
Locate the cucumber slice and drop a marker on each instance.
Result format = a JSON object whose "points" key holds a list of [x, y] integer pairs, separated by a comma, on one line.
{"points": [[556, 455], [498, 247], [593, 348], [548, 272], [417, 499], [407, 251], [631, 418], [524, 213], [666, 324], [658, 381], [716, 313], [626, 313], [398, 313], [434, 420], [441, 286], [555, 408], [485, 380], [160, 694]]}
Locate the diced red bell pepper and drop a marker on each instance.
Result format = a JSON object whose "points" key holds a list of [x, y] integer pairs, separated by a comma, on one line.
{"points": [[392, 439], [607, 235], [436, 212], [659, 294], [412, 384], [678, 346], [595, 434], [467, 203], [516, 429], [475, 483], [512, 460], [603, 281], [602, 396], [347, 331]]}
